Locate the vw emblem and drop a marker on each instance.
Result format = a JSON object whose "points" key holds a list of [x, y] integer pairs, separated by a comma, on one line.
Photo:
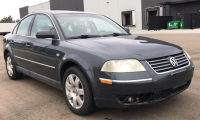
{"points": [[174, 62]]}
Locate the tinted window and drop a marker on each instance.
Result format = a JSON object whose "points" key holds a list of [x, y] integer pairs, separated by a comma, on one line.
{"points": [[42, 22], [15, 29], [24, 26]]}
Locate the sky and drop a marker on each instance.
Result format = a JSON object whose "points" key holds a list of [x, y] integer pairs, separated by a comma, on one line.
{"points": [[11, 7]]}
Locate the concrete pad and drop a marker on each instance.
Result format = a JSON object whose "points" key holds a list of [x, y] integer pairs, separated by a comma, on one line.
{"points": [[171, 31]]}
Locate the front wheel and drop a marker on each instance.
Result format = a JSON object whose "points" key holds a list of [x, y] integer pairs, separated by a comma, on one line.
{"points": [[77, 91]]}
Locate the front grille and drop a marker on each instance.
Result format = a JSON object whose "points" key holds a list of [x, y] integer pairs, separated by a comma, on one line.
{"points": [[163, 64]]}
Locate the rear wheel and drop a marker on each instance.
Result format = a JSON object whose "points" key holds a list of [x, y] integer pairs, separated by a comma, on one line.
{"points": [[12, 72], [77, 91]]}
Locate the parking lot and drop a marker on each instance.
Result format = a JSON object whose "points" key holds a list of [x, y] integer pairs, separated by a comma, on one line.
{"points": [[29, 99]]}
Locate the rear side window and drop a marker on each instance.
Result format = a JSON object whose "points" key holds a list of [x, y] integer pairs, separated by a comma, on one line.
{"points": [[15, 29], [42, 22], [24, 26]]}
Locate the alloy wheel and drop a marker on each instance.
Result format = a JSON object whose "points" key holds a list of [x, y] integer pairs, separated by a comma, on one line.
{"points": [[9, 66], [74, 91]]}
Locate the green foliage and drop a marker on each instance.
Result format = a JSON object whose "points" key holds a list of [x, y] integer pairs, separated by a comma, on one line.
{"points": [[8, 19]]}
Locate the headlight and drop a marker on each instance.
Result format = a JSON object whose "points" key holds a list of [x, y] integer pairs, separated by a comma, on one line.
{"points": [[131, 65], [187, 54]]}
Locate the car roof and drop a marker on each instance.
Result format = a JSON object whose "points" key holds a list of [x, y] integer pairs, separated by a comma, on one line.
{"points": [[62, 12]]}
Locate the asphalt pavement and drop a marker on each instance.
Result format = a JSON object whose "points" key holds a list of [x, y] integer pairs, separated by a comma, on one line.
{"points": [[29, 99]]}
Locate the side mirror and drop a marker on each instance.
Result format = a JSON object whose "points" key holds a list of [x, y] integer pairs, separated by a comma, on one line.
{"points": [[127, 30], [17, 21], [44, 34]]}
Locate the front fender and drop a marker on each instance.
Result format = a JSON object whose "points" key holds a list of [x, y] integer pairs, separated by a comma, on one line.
{"points": [[7, 47], [88, 60], [78, 59], [82, 63]]}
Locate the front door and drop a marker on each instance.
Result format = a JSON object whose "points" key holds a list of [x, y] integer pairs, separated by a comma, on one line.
{"points": [[178, 15], [41, 52]]}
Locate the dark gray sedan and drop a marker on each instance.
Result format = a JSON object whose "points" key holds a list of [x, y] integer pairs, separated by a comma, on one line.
{"points": [[95, 61]]}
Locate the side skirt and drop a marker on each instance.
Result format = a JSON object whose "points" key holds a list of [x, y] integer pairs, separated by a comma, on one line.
{"points": [[41, 78]]}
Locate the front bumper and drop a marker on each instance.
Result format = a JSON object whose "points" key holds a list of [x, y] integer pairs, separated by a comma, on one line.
{"points": [[150, 87], [120, 101]]}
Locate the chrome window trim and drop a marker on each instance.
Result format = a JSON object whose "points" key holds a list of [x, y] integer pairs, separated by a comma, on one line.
{"points": [[174, 69], [128, 81], [14, 28], [35, 37], [34, 62]]}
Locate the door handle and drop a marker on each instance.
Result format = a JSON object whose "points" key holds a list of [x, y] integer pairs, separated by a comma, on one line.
{"points": [[12, 42], [28, 45]]}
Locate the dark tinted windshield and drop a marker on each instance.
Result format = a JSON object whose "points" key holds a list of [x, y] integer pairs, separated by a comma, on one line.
{"points": [[87, 24]]}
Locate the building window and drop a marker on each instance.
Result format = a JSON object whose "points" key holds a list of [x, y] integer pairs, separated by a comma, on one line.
{"points": [[153, 11], [128, 18]]}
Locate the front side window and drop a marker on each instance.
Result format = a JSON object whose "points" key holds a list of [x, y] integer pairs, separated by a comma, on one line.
{"points": [[41, 23], [86, 24], [24, 26]]}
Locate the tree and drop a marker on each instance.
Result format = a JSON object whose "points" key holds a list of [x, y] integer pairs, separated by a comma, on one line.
{"points": [[8, 19]]}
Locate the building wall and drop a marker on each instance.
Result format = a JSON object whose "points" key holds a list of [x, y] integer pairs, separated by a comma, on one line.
{"points": [[23, 11], [114, 8], [72, 5], [151, 3], [39, 7], [192, 7]]}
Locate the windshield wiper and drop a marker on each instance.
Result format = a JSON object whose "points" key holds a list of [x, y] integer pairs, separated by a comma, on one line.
{"points": [[84, 36], [115, 34], [93, 36]]}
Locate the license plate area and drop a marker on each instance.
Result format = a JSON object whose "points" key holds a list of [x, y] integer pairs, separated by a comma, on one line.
{"points": [[179, 78]]}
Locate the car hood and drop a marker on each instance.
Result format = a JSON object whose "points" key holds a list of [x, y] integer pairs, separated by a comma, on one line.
{"points": [[129, 47]]}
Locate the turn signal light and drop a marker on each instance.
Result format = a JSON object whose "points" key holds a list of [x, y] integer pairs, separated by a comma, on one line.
{"points": [[106, 82]]}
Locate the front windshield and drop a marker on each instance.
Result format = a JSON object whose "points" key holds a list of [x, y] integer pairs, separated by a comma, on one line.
{"points": [[87, 24]]}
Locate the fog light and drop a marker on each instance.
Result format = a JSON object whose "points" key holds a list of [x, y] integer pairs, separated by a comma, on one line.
{"points": [[130, 99], [138, 99]]}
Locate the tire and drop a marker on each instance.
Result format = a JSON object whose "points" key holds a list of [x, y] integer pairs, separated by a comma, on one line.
{"points": [[78, 95], [12, 72]]}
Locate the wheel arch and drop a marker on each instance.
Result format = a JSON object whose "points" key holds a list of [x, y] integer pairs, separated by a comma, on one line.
{"points": [[6, 51], [69, 63], [9, 50]]}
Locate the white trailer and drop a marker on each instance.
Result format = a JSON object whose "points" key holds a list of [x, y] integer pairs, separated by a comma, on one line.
{"points": [[6, 28]]}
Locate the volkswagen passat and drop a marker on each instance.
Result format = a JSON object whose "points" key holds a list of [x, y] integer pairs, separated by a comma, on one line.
{"points": [[95, 61]]}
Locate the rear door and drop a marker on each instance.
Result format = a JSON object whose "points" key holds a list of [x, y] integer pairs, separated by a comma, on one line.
{"points": [[41, 52], [19, 40]]}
